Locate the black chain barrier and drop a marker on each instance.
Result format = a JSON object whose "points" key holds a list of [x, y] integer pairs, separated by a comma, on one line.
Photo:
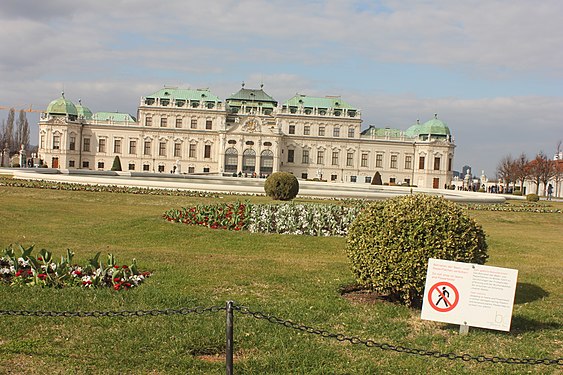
{"points": [[397, 348], [113, 314], [289, 324]]}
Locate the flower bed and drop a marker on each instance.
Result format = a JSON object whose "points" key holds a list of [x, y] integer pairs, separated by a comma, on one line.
{"points": [[523, 207], [43, 270], [309, 219]]}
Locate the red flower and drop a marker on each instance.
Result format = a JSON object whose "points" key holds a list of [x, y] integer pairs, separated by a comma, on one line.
{"points": [[88, 282], [18, 273], [124, 266], [116, 279], [42, 276], [116, 266], [117, 286], [39, 258]]}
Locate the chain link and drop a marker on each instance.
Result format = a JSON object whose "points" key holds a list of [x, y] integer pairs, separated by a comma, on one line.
{"points": [[113, 314], [400, 349]]}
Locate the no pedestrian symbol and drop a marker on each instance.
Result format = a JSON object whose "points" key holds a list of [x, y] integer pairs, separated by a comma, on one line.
{"points": [[443, 296]]}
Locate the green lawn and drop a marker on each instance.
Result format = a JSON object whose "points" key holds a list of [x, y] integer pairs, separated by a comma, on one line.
{"points": [[291, 277]]}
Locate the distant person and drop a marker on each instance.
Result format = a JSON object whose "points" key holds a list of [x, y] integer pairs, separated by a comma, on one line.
{"points": [[549, 192]]}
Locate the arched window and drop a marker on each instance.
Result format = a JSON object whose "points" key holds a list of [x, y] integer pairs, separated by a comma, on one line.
{"points": [[249, 161], [266, 162], [231, 160]]}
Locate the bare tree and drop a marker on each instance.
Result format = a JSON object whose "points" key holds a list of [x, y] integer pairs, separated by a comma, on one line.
{"points": [[22, 131], [506, 170], [558, 166], [9, 132], [521, 170], [542, 169]]}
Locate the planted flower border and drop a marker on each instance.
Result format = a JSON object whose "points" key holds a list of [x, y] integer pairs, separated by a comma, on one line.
{"points": [[43, 270]]}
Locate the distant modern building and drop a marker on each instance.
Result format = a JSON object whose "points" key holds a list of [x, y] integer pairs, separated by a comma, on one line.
{"points": [[249, 133]]}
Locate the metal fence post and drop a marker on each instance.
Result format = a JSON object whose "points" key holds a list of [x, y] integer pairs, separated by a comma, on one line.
{"points": [[229, 337]]}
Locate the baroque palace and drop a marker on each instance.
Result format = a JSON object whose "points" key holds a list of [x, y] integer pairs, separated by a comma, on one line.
{"points": [[194, 131]]}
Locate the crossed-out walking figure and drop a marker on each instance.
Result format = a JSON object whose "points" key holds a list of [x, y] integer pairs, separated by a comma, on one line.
{"points": [[445, 294]]}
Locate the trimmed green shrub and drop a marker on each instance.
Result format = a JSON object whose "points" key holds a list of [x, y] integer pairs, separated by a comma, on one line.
{"points": [[116, 164], [390, 242], [532, 197], [376, 180], [281, 186]]}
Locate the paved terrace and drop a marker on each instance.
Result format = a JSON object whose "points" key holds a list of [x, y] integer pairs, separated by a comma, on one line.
{"points": [[240, 184]]}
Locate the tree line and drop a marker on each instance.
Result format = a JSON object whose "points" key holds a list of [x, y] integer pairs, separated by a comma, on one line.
{"points": [[14, 132], [540, 170]]}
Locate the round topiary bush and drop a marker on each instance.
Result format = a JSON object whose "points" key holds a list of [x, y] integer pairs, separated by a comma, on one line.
{"points": [[281, 186], [532, 197], [390, 242]]}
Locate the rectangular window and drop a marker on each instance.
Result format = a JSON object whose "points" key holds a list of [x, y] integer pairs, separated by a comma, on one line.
{"points": [[421, 162], [393, 162], [206, 170], [364, 162], [290, 156], [162, 149], [86, 143], [101, 165], [350, 132], [56, 142], [163, 122], [304, 176], [368, 180], [392, 180], [436, 163], [133, 147], [131, 166], [147, 148], [191, 169], [85, 164], [177, 150], [117, 146], [291, 129], [320, 157], [148, 120], [321, 131], [191, 151], [449, 164], [207, 152], [72, 143], [350, 159], [161, 168], [305, 157], [306, 130], [102, 145], [178, 122], [208, 124], [146, 167], [42, 141], [193, 123], [334, 157], [379, 160], [71, 163], [408, 162], [353, 178], [336, 132], [333, 177]]}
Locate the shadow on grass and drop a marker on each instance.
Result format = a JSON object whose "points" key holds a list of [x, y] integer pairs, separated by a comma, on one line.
{"points": [[528, 293], [521, 325]]}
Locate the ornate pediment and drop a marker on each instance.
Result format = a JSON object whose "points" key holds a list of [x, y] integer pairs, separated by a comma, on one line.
{"points": [[252, 125]]}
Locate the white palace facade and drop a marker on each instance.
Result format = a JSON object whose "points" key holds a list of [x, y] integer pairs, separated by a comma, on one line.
{"points": [[193, 131]]}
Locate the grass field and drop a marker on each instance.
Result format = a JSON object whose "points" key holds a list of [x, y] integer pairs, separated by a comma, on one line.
{"points": [[292, 277]]}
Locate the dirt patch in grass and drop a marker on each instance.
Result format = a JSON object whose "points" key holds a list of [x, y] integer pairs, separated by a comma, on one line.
{"points": [[357, 293]]}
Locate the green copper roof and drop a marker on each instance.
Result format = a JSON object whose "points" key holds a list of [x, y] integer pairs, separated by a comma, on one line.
{"points": [[113, 116], [185, 94], [372, 131], [317, 102], [253, 95], [62, 106], [83, 112], [434, 127]]}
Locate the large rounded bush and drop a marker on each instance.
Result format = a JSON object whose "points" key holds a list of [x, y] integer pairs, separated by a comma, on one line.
{"points": [[532, 197], [390, 242], [281, 186]]}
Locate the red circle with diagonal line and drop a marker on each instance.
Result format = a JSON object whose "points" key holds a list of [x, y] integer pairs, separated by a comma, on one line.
{"points": [[449, 305]]}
